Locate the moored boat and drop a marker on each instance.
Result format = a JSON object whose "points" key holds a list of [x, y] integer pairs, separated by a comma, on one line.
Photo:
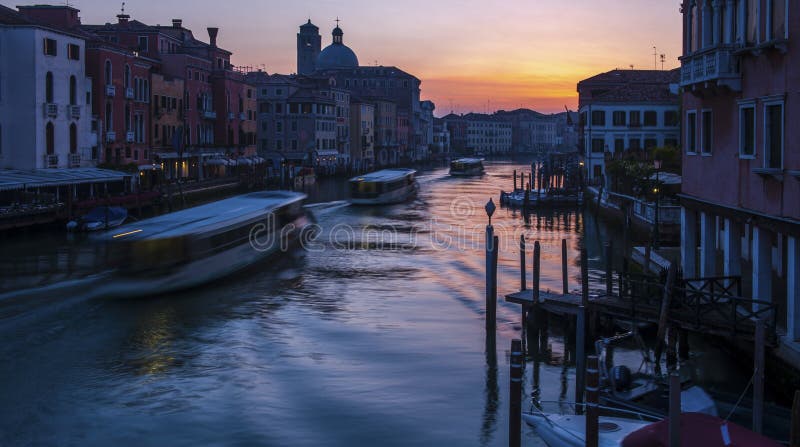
{"points": [[198, 245], [383, 187], [99, 218], [569, 430], [466, 167]]}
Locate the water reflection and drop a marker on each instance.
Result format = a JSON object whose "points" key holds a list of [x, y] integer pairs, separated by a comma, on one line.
{"points": [[492, 390]]}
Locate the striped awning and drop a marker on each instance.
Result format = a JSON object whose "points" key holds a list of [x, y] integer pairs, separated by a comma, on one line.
{"points": [[12, 179]]}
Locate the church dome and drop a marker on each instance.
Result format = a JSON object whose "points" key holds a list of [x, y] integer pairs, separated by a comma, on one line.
{"points": [[337, 54]]}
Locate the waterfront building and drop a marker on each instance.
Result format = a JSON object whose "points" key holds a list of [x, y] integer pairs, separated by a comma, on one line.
{"points": [[45, 95], [457, 127], [301, 118], [531, 131], [426, 126], [167, 119], [626, 110], [376, 83], [362, 133], [386, 143], [441, 139], [487, 134], [741, 160]]}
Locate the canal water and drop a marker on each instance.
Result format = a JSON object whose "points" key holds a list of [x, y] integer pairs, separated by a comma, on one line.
{"points": [[372, 334]]}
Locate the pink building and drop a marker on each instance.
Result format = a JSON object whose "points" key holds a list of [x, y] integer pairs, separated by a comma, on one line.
{"points": [[741, 156]]}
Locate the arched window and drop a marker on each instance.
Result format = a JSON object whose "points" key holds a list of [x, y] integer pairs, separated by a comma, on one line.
{"points": [[126, 80], [109, 79], [48, 87], [73, 139], [73, 90], [109, 118], [50, 138]]}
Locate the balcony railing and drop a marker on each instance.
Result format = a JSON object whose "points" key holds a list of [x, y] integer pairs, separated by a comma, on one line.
{"points": [[129, 137], [51, 161], [75, 112], [715, 64], [111, 90], [111, 136], [50, 110], [74, 160], [209, 114], [129, 93]]}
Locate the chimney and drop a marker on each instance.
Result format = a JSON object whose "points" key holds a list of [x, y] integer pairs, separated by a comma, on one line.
{"points": [[212, 36], [123, 18], [177, 23]]}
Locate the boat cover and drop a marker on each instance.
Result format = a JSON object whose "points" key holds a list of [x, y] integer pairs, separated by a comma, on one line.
{"points": [[698, 430]]}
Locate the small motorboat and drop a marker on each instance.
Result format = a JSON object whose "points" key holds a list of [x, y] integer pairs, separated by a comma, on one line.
{"points": [[464, 167], [698, 430], [384, 187], [569, 430], [99, 218]]}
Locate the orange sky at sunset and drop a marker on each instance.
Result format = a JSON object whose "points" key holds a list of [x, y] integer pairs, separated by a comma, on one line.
{"points": [[470, 55]]}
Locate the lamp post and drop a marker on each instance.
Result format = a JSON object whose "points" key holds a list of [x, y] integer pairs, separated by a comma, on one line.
{"points": [[657, 165]]}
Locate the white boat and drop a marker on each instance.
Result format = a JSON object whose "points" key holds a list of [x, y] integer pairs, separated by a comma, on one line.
{"points": [[466, 167], [569, 430], [383, 187], [198, 245]]}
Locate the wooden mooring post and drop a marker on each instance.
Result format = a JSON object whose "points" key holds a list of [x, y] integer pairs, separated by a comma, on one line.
{"points": [[674, 410], [580, 334], [523, 283], [515, 180], [564, 275], [592, 398], [515, 395], [758, 378], [492, 247], [609, 268], [794, 433]]}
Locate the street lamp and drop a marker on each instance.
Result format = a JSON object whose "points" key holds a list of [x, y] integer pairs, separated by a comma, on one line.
{"points": [[657, 165]]}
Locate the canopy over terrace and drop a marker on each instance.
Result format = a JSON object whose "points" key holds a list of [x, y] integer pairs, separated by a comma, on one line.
{"points": [[13, 179]]}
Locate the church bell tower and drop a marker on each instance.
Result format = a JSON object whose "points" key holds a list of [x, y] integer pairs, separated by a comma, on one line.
{"points": [[309, 43]]}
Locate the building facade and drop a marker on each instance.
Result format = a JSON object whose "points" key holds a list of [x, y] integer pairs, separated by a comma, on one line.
{"points": [[362, 133], [741, 160], [626, 110], [487, 134], [45, 99]]}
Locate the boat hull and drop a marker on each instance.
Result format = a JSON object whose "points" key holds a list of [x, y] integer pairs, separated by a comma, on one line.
{"points": [[570, 430], [397, 196]]}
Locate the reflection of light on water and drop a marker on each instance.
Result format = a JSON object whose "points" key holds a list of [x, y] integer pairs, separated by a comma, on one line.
{"points": [[151, 343]]}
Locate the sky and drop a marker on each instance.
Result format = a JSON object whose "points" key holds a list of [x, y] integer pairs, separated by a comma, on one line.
{"points": [[471, 55]]}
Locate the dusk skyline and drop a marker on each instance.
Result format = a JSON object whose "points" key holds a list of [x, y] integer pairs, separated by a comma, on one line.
{"points": [[466, 53]]}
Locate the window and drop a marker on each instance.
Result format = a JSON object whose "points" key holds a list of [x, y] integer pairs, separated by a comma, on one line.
{"points": [[278, 126], [126, 79], [73, 139], [73, 90], [143, 44], [50, 47], [619, 118], [691, 132], [751, 26], [599, 118], [635, 119], [598, 145], [650, 118], [619, 143], [73, 52], [773, 135], [747, 131], [777, 17], [650, 143], [48, 87], [706, 132], [50, 138], [671, 118], [634, 144], [108, 73], [109, 118]]}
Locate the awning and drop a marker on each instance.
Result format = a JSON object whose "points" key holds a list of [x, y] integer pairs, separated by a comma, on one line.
{"points": [[11, 179], [215, 162], [166, 155], [667, 178], [244, 161], [152, 167]]}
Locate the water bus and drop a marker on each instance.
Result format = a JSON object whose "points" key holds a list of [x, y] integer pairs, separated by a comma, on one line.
{"points": [[198, 245], [464, 167], [383, 187]]}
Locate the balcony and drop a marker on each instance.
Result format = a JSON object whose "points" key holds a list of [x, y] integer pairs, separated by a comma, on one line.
{"points": [[713, 67], [50, 110], [74, 160], [129, 93], [51, 161], [75, 112], [209, 114], [111, 90], [111, 136], [129, 137]]}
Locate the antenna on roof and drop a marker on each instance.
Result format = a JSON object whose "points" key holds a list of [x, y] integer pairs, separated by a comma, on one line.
{"points": [[663, 58], [123, 7], [631, 65], [655, 54]]}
